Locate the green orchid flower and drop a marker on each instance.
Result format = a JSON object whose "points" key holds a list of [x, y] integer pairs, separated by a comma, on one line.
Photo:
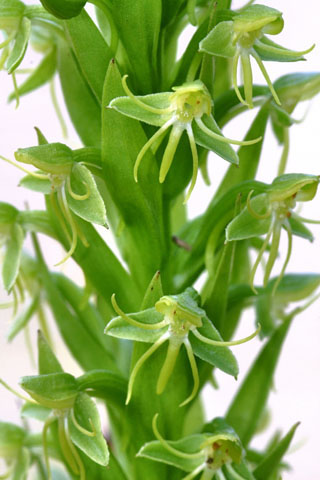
{"points": [[63, 175], [58, 397], [268, 213], [216, 453], [178, 320], [187, 108], [241, 36]]}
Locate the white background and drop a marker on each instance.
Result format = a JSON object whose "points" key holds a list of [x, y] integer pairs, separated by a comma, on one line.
{"points": [[297, 383]]}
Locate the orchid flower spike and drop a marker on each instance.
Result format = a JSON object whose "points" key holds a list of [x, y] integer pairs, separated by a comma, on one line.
{"points": [[242, 36], [178, 320], [268, 213], [187, 108], [214, 453]]}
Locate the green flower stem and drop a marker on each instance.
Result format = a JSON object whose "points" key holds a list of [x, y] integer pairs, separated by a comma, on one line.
{"points": [[274, 248], [57, 109], [285, 152], [65, 445], [289, 251], [259, 257], [141, 361], [47, 424]]}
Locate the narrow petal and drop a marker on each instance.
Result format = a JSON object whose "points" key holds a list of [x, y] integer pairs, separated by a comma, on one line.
{"points": [[147, 145], [141, 361], [223, 139], [232, 343], [195, 373]]}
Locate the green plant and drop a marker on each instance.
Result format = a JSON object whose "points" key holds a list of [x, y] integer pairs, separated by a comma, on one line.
{"points": [[146, 340]]}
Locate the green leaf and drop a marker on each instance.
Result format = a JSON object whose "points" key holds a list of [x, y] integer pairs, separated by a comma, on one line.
{"points": [[295, 287], [20, 45], [91, 209], [299, 229], [41, 75], [271, 463], [47, 361], [139, 204], [52, 390], [64, 8], [21, 320], [249, 403], [21, 468], [220, 357], [11, 262], [90, 49], [138, 24], [82, 105], [87, 416]]}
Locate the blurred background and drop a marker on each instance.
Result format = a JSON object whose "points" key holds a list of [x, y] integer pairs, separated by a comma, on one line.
{"points": [[297, 382]]}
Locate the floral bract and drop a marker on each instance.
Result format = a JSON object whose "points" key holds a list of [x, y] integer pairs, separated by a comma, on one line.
{"points": [[188, 109]]}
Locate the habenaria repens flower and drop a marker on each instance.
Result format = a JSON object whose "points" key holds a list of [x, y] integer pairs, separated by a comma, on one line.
{"points": [[271, 211], [179, 320], [216, 453], [58, 397], [241, 35], [63, 175], [187, 108]]}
